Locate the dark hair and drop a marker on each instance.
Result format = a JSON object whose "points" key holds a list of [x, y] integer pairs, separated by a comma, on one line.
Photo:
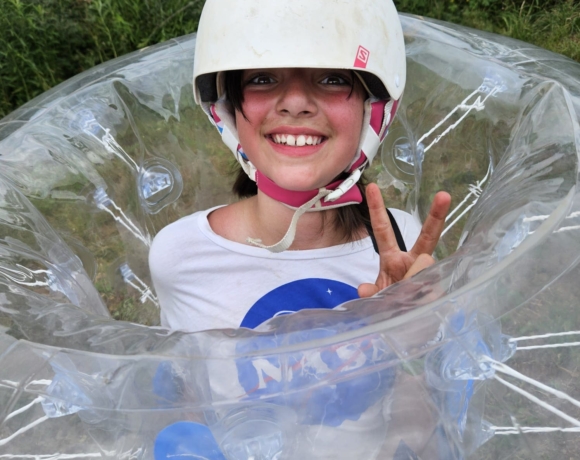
{"points": [[348, 220], [233, 88]]}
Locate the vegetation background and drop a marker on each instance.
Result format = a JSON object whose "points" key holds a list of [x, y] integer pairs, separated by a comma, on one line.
{"points": [[44, 42]]}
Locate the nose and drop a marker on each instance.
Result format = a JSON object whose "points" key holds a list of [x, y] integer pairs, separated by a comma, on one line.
{"points": [[296, 96]]}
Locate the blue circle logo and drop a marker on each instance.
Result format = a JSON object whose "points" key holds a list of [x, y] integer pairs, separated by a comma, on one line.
{"points": [[298, 295]]}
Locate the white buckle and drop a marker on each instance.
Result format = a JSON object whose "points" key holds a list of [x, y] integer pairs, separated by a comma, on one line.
{"points": [[345, 186]]}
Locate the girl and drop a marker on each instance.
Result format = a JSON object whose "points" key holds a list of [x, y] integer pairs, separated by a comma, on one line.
{"points": [[303, 93]]}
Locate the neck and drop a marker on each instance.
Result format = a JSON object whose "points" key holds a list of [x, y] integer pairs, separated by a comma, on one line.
{"points": [[269, 220]]}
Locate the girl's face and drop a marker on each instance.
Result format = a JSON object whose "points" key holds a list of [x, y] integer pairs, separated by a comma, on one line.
{"points": [[301, 126]]}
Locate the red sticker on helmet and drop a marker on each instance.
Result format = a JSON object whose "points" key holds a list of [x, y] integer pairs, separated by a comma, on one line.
{"points": [[362, 57]]}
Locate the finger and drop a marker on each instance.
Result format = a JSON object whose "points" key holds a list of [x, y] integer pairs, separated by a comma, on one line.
{"points": [[421, 262], [367, 290], [380, 222], [433, 225]]}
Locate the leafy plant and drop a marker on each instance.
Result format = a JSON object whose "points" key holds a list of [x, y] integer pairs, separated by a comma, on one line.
{"points": [[43, 42], [551, 24]]}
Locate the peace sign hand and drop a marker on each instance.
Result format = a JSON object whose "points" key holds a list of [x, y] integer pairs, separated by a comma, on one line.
{"points": [[396, 265]]}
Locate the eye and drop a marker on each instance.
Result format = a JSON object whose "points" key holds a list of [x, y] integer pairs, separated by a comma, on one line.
{"points": [[338, 80], [260, 80]]}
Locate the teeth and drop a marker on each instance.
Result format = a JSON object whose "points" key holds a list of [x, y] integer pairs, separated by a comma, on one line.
{"points": [[296, 141]]}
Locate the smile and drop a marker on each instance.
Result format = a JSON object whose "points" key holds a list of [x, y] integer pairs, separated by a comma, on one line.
{"points": [[298, 140]]}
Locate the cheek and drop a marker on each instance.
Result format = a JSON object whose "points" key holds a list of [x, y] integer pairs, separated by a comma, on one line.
{"points": [[248, 134], [248, 127], [349, 121]]}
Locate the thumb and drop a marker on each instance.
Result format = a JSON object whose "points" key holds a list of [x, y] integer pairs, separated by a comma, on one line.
{"points": [[367, 290], [421, 262]]}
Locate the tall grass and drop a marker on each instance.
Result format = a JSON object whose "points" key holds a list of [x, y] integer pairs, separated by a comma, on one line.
{"points": [[43, 42], [556, 28], [551, 24]]}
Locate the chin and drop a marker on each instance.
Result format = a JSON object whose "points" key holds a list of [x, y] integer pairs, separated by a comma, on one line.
{"points": [[298, 182]]}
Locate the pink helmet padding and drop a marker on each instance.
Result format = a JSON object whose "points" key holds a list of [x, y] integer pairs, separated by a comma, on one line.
{"points": [[358, 163], [377, 114], [375, 123], [392, 113], [214, 114]]}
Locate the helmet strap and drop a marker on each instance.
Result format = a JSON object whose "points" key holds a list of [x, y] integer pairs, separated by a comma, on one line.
{"points": [[316, 200], [346, 195], [288, 238]]}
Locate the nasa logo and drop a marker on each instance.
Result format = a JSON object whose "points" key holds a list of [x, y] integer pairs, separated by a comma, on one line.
{"points": [[362, 57], [298, 295]]}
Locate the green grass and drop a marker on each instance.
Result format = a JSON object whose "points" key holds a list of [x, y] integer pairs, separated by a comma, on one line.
{"points": [[551, 24], [44, 42]]}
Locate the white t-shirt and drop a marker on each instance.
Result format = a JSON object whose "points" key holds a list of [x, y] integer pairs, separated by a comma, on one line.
{"points": [[204, 281]]}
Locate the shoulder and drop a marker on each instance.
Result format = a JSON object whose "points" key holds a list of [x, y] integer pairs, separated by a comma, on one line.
{"points": [[174, 240], [180, 228], [229, 221]]}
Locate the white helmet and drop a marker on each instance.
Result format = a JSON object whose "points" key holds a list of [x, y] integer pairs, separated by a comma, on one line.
{"points": [[360, 35]]}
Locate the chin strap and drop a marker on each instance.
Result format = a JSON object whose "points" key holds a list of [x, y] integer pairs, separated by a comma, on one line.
{"points": [[334, 195], [288, 238], [340, 193], [337, 194]]}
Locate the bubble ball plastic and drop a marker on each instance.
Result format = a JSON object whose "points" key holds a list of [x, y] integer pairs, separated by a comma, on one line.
{"points": [[474, 357]]}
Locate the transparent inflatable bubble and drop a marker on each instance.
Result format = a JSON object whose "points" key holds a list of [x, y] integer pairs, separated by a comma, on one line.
{"points": [[474, 357]]}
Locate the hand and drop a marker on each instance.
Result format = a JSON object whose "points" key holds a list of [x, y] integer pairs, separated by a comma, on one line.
{"points": [[396, 265]]}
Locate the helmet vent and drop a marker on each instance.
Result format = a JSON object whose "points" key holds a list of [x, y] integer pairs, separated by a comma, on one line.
{"points": [[206, 84], [374, 85]]}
